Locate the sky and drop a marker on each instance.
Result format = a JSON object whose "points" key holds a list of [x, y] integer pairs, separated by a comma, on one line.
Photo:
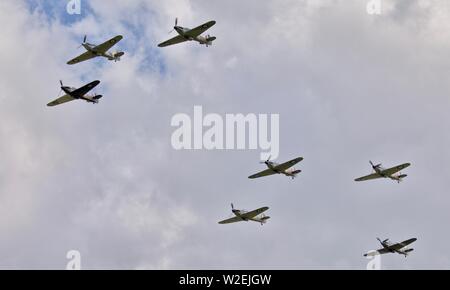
{"points": [[104, 179]]}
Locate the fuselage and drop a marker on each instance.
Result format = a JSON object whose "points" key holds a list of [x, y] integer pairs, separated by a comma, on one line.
{"points": [[403, 251], [91, 98], [396, 176], [108, 55], [200, 39], [292, 172], [259, 218]]}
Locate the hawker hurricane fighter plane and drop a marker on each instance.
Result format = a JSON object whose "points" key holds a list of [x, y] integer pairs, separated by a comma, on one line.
{"points": [[241, 215], [77, 94], [187, 34], [99, 50], [275, 168], [380, 172], [388, 247]]}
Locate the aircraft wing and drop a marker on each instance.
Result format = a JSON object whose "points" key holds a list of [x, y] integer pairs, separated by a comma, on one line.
{"points": [[61, 100], [105, 46], [289, 164], [253, 213], [266, 172], [200, 29], [368, 177], [231, 220], [172, 41], [383, 251], [85, 56], [403, 244], [85, 89], [395, 169]]}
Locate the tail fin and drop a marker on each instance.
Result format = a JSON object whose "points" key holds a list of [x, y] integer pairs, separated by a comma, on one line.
{"points": [[209, 40], [264, 219], [294, 173]]}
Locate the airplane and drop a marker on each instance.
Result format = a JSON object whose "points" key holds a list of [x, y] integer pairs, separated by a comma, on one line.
{"points": [[99, 50], [241, 215], [75, 94], [186, 34], [275, 168], [380, 172], [388, 247]]}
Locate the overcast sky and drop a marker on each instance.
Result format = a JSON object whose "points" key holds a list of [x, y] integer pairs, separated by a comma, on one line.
{"points": [[104, 179]]}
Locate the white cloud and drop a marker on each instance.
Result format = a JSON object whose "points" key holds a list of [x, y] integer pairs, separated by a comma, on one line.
{"points": [[104, 179]]}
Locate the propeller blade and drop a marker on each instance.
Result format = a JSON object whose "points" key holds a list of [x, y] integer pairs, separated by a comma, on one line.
{"points": [[176, 21], [60, 81], [84, 39], [57, 96], [379, 240], [232, 206]]}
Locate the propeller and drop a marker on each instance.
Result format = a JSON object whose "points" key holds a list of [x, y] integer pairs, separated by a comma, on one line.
{"points": [[267, 161], [373, 165], [60, 90], [176, 24], [84, 41], [382, 242], [232, 206]]}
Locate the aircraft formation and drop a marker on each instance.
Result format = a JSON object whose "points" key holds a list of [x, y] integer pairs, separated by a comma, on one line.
{"points": [[286, 168]]}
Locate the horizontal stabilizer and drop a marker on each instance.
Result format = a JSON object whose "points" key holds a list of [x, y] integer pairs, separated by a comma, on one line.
{"points": [[119, 54]]}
